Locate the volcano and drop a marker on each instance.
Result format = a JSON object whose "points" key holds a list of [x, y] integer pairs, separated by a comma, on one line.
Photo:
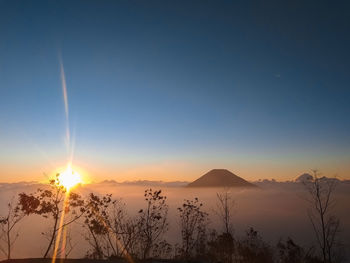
{"points": [[220, 178]]}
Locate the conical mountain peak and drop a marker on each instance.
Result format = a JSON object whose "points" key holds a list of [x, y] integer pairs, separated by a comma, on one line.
{"points": [[220, 178]]}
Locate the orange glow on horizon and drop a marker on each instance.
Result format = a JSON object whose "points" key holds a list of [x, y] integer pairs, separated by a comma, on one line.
{"points": [[90, 171]]}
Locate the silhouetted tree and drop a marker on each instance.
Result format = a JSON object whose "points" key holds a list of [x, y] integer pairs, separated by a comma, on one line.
{"points": [[325, 224], [8, 232], [224, 243], [124, 229], [111, 232], [54, 202], [224, 211], [193, 228], [97, 220], [152, 222]]}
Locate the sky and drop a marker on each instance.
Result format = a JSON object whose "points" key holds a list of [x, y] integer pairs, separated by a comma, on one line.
{"points": [[167, 90]]}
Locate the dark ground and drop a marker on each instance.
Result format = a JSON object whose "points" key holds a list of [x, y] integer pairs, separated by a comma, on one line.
{"points": [[58, 260], [83, 260]]}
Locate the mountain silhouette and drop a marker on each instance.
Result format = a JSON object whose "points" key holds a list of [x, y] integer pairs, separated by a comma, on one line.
{"points": [[220, 178], [305, 177]]}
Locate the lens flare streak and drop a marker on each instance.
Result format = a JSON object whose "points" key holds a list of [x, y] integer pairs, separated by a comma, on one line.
{"points": [[65, 100], [69, 179], [58, 238]]}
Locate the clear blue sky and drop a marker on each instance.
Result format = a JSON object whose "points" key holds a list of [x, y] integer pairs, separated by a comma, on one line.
{"points": [[260, 88]]}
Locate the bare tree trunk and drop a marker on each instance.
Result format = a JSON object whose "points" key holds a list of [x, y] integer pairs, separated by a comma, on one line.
{"points": [[8, 239], [324, 223], [52, 237], [321, 212], [97, 246], [111, 244]]}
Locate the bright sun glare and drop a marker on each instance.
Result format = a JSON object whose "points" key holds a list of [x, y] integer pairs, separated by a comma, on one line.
{"points": [[69, 178]]}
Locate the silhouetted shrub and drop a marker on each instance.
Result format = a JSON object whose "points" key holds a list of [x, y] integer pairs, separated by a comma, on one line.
{"points": [[152, 223], [193, 230], [221, 248], [252, 249]]}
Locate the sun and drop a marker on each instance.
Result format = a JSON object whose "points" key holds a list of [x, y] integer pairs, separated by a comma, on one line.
{"points": [[69, 178]]}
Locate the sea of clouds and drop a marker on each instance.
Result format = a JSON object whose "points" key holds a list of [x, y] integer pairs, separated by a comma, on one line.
{"points": [[276, 209]]}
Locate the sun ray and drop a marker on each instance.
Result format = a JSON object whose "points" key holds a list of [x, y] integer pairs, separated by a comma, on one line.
{"points": [[66, 106], [58, 238], [69, 178]]}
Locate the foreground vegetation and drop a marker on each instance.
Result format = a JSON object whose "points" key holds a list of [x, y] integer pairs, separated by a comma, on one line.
{"points": [[114, 235]]}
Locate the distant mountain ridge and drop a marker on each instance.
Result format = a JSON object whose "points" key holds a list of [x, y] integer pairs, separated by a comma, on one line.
{"points": [[220, 178], [305, 177], [144, 183]]}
